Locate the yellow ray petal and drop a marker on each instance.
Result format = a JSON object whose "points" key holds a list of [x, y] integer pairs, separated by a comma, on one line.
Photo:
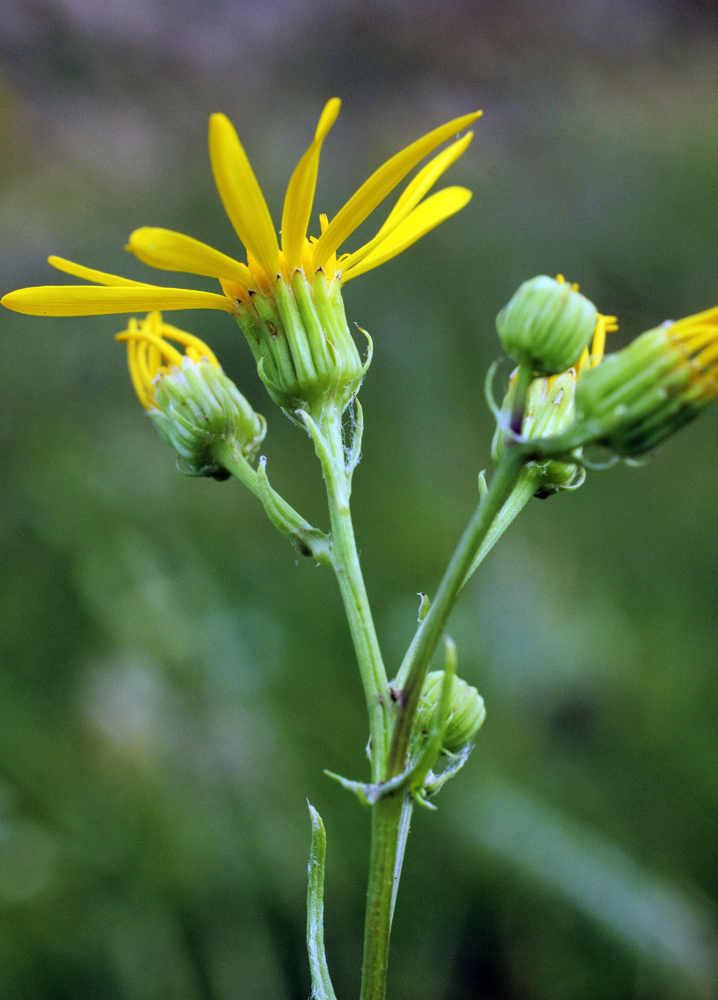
{"points": [[299, 198], [188, 340], [136, 375], [378, 186], [89, 300], [90, 274], [241, 194], [176, 252], [430, 213], [412, 195], [167, 351], [708, 316]]}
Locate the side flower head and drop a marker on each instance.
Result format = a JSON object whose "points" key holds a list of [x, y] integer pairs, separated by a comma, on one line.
{"points": [[191, 402], [287, 296], [550, 410], [546, 325], [647, 391]]}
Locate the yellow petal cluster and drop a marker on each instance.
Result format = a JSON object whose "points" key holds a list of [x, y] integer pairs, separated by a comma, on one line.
{"points": [[412, 217], [150, 353], [698, 338]]}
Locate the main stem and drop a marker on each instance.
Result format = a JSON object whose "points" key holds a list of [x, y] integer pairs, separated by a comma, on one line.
{"points": [[386, 817], [351, 585], [388, 755]]}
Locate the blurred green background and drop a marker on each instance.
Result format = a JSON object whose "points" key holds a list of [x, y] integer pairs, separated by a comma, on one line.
{"points": [[174, 680]]}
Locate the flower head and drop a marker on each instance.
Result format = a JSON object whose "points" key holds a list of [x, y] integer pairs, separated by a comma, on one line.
{"points": [[268, 262], [551, 400], [192, 403], [647, 391]]}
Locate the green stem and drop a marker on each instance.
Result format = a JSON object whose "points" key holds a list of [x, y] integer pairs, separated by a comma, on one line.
{"points": [[386, 820], [404, 823], [308, 539], [524, 490], [413, 670], [329, 444], [230, 458]]}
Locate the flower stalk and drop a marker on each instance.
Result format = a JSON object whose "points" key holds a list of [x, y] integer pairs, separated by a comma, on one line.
{"points": [[328, 441]]}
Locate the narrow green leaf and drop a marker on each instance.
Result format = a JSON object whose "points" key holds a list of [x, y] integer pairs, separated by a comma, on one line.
{"points": [[321, 983]]}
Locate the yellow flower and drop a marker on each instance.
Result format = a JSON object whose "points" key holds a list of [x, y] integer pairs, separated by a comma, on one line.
{"points": [[647, 391], [697, 336], [191, 402], [267, 261]]}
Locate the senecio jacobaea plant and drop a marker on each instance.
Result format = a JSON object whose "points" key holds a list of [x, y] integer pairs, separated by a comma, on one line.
{"points": [[564, 395]]}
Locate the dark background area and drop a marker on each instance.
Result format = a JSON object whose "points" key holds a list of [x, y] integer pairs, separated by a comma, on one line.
{"points": [[173, 680]]}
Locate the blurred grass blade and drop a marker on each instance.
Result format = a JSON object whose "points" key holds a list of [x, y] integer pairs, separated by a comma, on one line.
{"points": [[321, 983], [652, 917]]}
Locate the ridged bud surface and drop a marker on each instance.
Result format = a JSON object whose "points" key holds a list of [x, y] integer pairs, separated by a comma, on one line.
{"points": [[546, 325], [299, 336], [198, 408], [466, 711]]}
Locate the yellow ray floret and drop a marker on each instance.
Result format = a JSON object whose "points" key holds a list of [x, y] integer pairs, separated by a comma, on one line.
{"points": [[299, 199], [149, 353], [111, 294], [698, 337], [589, 359], [413, 215]]}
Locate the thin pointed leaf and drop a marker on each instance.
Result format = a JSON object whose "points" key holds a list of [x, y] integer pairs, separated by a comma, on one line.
{"points": [[321, 981]]}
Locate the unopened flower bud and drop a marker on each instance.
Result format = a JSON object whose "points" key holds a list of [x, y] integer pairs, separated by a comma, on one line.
{"points": [[198, 407], [546, 325], [466, 711], [642, 394], [190, 400], [550, 408]]}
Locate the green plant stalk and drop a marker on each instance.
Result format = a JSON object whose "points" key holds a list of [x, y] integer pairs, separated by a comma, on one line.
{"points": [[413, 670], [387, 812], [280, 513], [391, 814], [386, 821], [345, 559], [524, 490]]}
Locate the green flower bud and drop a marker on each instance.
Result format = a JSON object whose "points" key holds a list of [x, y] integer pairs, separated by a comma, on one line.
{"points": [[642, 394], [190, 400], [299, 336], [466, 712], [550, 408], [198, 407], [546, 325]]}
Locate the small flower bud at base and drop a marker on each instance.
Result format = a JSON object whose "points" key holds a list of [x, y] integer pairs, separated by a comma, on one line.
{"points": [[466, 712], [550, 410]]}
